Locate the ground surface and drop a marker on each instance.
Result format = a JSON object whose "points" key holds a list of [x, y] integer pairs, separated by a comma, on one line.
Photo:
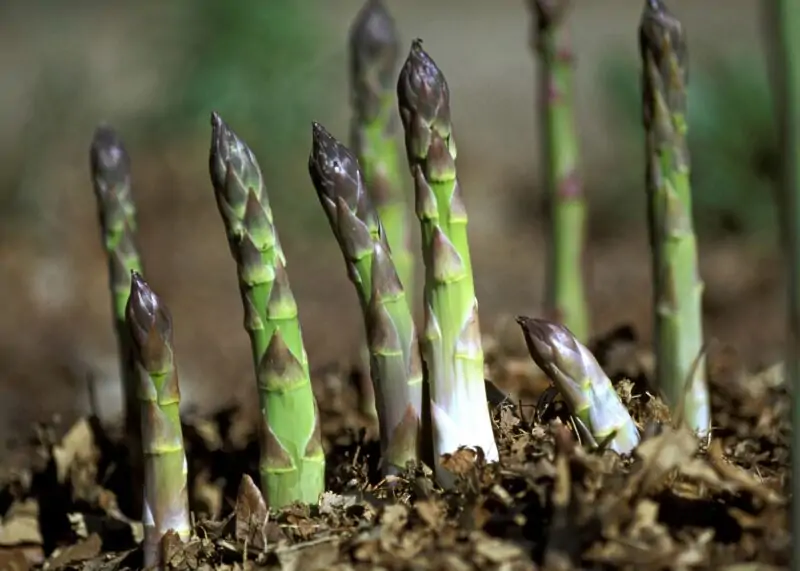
{"points": [[549, 504]]}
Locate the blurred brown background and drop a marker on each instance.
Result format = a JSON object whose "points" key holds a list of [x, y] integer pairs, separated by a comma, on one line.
{"points": [[155, 70]]}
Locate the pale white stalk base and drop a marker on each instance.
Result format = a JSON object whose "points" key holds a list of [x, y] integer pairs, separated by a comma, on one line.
{"points": [[173, 519], [462, 423]]}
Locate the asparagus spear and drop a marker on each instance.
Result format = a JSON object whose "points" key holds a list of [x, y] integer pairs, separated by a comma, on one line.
{"points": [[292, 460], [587, 391], [374, 51], [784, 17], [111, 178], [451, 342], [166, 504], [391, 335], [677, 286], [565, 297]]}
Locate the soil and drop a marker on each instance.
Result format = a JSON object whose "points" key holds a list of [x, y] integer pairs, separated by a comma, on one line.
{"points": [[549, 503]]}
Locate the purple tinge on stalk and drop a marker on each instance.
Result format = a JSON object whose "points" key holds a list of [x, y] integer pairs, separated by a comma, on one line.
{"points": [[583, 384], [423, 88], [391, 335], [109, 158], [165, 488], [374, 49], [150, 325], [662, 34], [556, 352], [335, 171], [236, 178], [227, 148], [111, 177]]}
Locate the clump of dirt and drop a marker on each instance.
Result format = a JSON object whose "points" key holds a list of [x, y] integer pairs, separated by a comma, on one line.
{"points": [[677, 503]]}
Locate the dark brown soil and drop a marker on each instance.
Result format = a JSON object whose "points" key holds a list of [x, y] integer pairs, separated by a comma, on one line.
{"points": [[548, 504]]}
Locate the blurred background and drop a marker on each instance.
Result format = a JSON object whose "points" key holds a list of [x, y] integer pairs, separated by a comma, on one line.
{"points": [[155, 70]]}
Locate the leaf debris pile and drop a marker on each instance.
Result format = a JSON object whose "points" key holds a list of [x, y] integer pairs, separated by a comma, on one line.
{"points": [[677, 503]]}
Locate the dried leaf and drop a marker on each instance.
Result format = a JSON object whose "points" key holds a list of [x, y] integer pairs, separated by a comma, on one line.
{"points": [[662, 454], [329, 503], [177, 554], [393, 519], [496, 550], [430, 512], [750, 567], [78, 445], [208, 494], [16, 560], [251, 515], [460, 462], [317, 555], [739, 478], [85, 549], [21, 524]]}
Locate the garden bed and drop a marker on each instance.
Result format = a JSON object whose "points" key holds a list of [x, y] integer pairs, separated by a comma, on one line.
{"points": [[676, 504]]}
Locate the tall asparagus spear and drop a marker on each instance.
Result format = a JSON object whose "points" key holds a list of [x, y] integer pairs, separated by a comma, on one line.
{"points": [[451, 342], [677, 286], [784, 20], [391, 335], [565, 297], [587, 391], [166, 503], [292, 460], [111, 178], [374, 53]]}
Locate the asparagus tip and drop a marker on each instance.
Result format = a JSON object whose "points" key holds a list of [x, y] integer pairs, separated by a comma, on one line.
{"points": [[220, 132], [657, 20], [542, 337], [324, 144], [318, 131], [655, 6], [107, 152], [549, 12], [373, 27], [228, 151], [149, 322], [216, 120], [324, 149], [332, 166], [143, 301], [421, 82]]}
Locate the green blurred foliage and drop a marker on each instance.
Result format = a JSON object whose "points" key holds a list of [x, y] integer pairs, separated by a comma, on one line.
{"points": [[257, 62], [250, 60], [732, 140]]}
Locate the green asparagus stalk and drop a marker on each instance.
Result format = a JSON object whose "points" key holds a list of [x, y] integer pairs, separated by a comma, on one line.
{"points": [[451, 341], [565, 297], [374, 52], [784, 20], [292, 459], [391, 336], [677, 286], [111, 178], [599, 413], [166, 503]]}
